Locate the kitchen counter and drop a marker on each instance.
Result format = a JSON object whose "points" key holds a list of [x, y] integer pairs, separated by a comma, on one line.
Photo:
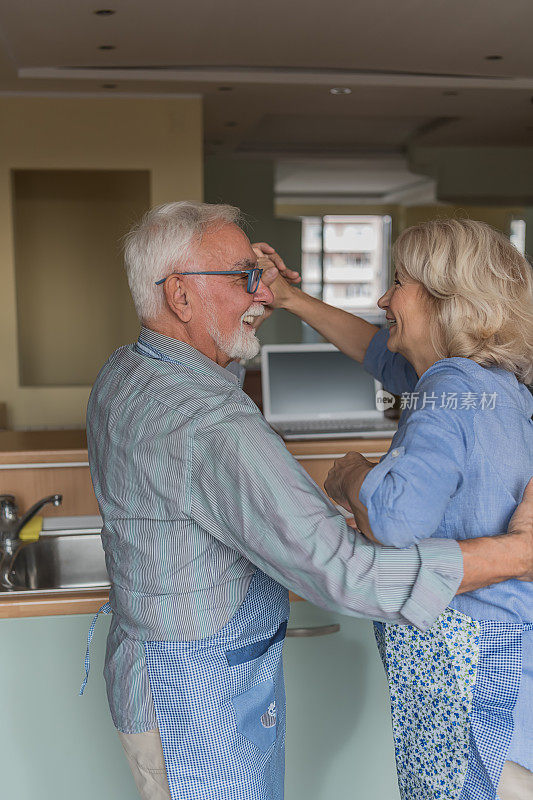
{"points": [[36, 463], [49, 604], [54, 603]]}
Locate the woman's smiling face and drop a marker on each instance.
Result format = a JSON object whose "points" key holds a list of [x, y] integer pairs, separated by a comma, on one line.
{"points": [[409, 314]]}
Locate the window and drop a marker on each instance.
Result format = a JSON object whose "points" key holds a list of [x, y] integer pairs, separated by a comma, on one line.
{"points": [[345, 261], [518, 235]]}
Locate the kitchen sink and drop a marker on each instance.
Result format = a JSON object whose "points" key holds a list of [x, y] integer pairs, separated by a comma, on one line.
{"points": [[67, 556]]}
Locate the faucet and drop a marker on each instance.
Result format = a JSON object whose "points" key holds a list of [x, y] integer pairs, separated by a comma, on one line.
{"points": [[10, 527]]}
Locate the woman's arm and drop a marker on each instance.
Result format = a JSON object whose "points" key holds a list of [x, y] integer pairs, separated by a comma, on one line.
{"points": [[353, 335], [407, 493], [487, 559], [349, 333]]}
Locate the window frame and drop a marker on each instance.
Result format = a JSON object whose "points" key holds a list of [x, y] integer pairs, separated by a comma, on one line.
{"points": [[375, 314]]}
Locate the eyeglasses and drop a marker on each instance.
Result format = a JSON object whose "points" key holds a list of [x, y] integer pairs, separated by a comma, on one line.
{"points": [[254, 276]]}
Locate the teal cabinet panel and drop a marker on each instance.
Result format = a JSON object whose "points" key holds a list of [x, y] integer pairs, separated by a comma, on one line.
{"points": [[58, 746], [339, 734], [54, 744]]}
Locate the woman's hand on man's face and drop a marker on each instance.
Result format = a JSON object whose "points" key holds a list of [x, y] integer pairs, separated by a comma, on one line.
{"points": [[277, 276], [262, 250]]}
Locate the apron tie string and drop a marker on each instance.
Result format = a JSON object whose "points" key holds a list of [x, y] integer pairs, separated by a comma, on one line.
{"points": [[105, 609]]}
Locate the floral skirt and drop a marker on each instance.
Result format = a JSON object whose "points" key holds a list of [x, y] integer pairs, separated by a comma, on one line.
{"points": [[452, 690]]}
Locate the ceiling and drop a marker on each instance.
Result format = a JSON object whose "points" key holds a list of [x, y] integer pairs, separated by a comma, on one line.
{"points": [[431, 72], [360, 181]]}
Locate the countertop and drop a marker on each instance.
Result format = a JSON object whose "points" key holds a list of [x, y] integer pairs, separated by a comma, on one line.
{"points": [[50, 604], [59, 446]]}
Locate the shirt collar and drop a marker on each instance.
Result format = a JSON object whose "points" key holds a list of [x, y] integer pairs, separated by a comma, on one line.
{"points": [[185, 354]]}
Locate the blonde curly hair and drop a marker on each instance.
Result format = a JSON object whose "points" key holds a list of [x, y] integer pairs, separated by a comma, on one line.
{"points": [[480, 289]]}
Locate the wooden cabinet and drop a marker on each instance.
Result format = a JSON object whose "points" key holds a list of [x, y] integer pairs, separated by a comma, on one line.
{"points": [[34, 464], [317, 455]]}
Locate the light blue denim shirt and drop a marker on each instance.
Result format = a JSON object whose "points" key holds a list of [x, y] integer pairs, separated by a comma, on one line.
{"points": [[456, 468]]}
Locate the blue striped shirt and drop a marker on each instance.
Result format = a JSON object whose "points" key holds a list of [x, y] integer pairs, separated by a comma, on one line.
{"points": [[195, 491]]}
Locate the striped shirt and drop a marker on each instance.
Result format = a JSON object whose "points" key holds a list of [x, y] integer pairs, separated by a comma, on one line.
{"points": [[196, 491]]}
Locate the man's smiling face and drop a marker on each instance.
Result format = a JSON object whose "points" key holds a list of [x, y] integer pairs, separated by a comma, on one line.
{"points": [[223, 307]]}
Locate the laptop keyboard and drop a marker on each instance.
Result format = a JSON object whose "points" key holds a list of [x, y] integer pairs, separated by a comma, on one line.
{"points": [[337, 426]]}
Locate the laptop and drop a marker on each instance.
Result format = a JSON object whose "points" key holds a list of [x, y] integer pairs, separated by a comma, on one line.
{"points": [[313, 391]]}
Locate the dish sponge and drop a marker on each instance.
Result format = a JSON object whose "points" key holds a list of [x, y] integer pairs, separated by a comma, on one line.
{"points": [[31, 530]]}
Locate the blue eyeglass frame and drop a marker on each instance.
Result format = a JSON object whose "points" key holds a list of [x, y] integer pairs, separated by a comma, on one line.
{"points": [[254, 276]]}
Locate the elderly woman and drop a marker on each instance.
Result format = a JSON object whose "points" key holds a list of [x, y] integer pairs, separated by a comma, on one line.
{"points": [[460, 349]]}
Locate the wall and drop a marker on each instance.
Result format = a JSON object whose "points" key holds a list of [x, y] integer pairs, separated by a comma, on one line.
{"points": [[73, 301], [161, 136], [477, 175], [498, 216], [486, 176]]}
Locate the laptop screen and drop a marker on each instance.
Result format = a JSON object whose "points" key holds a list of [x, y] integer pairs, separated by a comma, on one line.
{"points": [[314, 384]]}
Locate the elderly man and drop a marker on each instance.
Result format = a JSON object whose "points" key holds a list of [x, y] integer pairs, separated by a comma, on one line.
{"points": [[207, 520]]}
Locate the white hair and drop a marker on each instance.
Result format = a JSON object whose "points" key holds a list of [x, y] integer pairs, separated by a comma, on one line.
{"points": [[163, 241]]}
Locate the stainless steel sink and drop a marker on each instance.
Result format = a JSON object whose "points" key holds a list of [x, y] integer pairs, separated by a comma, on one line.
{"points": [[67, 556]]}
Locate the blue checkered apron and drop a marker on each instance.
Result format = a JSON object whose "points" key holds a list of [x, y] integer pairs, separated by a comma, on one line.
{"points": [[220, 703], [453, 690]]}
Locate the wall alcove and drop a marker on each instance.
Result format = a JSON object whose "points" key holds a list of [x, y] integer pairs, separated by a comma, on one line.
{"points": [[73, 303]]}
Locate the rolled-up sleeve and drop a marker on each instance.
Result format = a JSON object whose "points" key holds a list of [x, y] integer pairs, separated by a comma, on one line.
{"points": [[407, 493], [391, 369], [250, 493]]}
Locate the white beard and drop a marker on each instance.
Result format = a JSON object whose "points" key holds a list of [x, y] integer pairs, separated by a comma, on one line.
{"points": [[242, 343]]}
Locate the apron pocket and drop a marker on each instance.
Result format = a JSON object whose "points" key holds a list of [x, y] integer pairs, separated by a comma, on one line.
{"points": [[255, 713], [256, 649]]}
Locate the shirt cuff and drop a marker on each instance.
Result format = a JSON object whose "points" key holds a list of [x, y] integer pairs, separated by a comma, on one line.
{"points": [[386, 529], [439, 577], [374, 477]]}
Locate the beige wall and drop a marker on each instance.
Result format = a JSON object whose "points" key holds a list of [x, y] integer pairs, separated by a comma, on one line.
{"points": [[405, 216], [161, 136], [73, 303], [498, 216]]}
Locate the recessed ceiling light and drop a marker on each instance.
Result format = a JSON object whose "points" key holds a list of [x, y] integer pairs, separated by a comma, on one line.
{"points": [[493, 58], [104, 12], [109, 86], [225, 88], [107, 47], [340, 90]]}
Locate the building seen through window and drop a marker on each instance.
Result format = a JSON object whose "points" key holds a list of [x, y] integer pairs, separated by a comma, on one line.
{"points": [[345, 261], [518, 234]]}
